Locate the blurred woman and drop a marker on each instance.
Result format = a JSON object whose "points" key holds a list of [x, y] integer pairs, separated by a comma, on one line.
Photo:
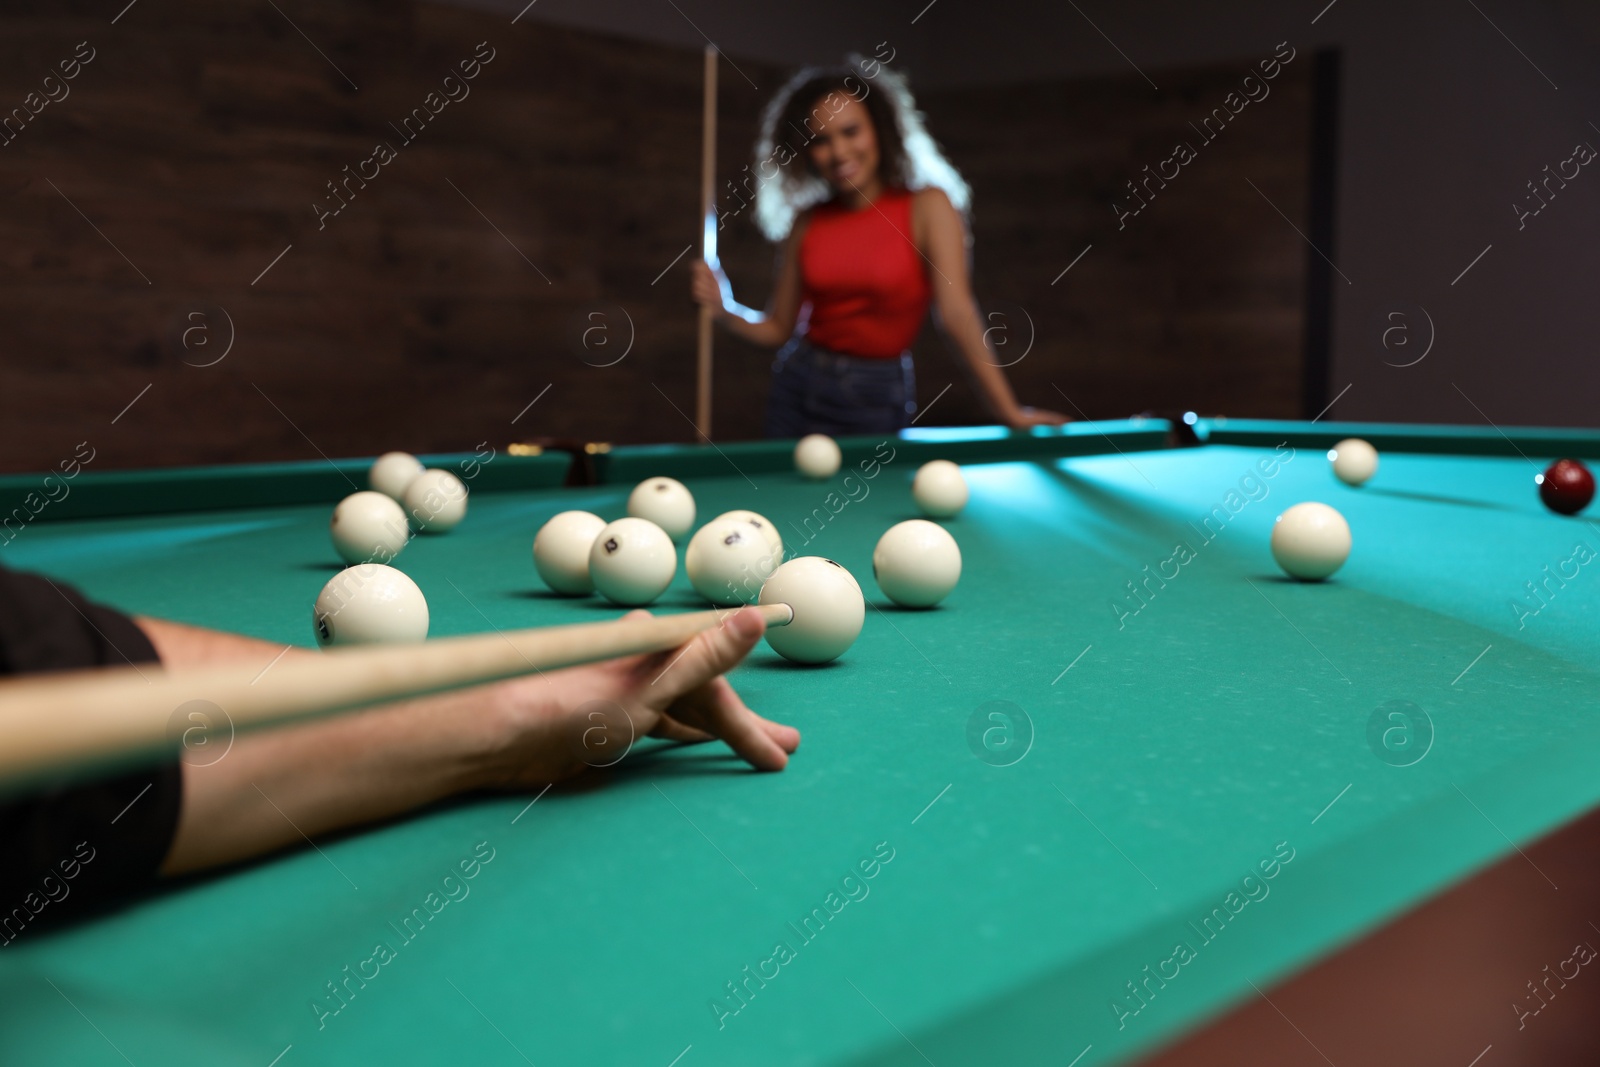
{"points": [[871, 220]]}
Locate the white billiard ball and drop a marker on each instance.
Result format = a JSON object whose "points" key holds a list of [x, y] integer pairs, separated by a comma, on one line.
{"points": [[762, 523], [817, 456], [436, 501], [632, 561], [916, 563], [368, 527], [939, 489], [392, 472], [561, 551], [828, 609], [728, 560], [369, 604], [1354, 461], [666, 502], [1310, 541]]}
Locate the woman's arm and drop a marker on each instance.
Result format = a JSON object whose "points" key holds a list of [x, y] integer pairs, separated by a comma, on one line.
{"points": [[773, 327], [941, 235], [279, 787]]}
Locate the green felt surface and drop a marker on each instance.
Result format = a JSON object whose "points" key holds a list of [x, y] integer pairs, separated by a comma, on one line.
{"points": [[1173, 748]]}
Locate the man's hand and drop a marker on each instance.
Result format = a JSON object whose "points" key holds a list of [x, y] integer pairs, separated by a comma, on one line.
{"points": [[554, 726]]}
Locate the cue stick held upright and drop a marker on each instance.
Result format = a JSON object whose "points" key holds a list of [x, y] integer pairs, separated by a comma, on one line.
{"points": [[708, 241]]}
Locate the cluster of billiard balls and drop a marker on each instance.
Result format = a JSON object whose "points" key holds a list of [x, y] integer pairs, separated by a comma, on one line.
{"points": [[1310, 541], [736, 558], [370, 602], [372, 526]]}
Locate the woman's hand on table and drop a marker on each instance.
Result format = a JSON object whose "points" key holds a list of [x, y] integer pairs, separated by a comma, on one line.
{"points": [[1023, 418]]}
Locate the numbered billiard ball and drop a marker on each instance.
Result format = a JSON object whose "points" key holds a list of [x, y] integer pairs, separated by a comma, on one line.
{"points": [[828, 609], [939, 489], [392, 472], [1310, 541], [817, 456], [436, 501], [916, 563], [728, 560], [369, 604], [1566, 487], [632, 561], [762, 523], [666, 502], [1354, 461], [368, 527], [561, 551]]}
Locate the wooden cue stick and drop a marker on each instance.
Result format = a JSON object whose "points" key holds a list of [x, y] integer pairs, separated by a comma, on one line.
{"points": [[55, 722], [708, 247]]}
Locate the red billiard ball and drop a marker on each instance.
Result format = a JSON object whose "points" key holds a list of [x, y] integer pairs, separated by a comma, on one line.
{"points": [[1567, 487]]}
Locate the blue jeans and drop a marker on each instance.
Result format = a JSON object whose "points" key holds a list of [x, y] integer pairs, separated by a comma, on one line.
{"points": [[818, 391]]}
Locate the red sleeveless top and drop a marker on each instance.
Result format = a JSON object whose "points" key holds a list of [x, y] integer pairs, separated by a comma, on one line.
{"points": [[865, 281]]}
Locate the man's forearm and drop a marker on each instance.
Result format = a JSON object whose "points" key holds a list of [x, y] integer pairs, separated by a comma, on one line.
{"points": [[282, 786], [277, 787], [181, 645]]}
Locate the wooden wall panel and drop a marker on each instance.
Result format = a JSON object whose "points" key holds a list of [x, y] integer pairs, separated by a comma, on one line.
{"points": [[1196, 303]]}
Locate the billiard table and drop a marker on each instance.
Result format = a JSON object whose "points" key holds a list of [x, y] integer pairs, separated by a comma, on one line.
{"points": [[1128, 786]]}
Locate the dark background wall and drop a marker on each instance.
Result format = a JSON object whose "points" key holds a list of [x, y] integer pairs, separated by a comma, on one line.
{"points": [[1445, 115], [146, 213], [1194, 301], [461, 282]]}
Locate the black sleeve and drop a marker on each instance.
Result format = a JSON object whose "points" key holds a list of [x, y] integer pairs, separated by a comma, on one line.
{"points": [[69, 848]]}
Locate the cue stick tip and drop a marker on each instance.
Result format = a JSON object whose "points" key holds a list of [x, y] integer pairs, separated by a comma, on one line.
{"points": [[776, 614]]}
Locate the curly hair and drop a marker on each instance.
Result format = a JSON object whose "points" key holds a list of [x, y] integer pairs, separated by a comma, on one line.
{"points": [[789, 184]]}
